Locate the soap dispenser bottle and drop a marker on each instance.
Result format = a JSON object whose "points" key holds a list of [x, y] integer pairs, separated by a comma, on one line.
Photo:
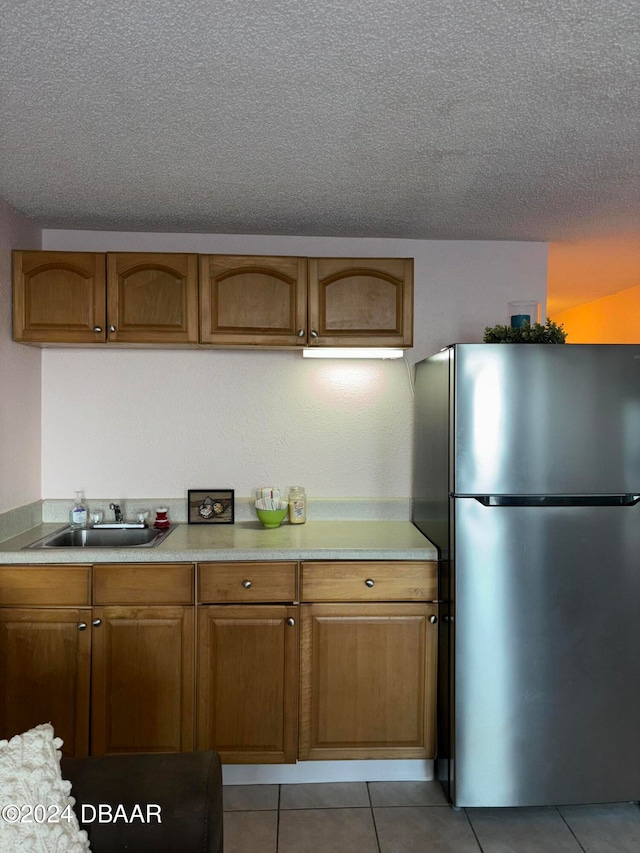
{"points": [[78, 514]]}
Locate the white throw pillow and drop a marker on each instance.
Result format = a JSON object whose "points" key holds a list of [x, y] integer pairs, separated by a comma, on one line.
{"points": [[36, 811]]}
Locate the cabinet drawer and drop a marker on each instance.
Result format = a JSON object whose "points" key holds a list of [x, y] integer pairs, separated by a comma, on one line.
{"points": [[47, 586], [369, 581], [246, 581], [146, 583]]}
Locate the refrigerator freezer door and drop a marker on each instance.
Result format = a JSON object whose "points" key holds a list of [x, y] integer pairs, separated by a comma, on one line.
{"points": [[547, 654], [546, 419]]}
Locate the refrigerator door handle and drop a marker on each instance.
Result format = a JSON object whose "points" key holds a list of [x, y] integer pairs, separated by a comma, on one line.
{"points": [[556, 500]]}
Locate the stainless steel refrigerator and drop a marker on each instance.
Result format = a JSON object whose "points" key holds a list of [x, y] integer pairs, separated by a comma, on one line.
{"points": [[527, 478]]}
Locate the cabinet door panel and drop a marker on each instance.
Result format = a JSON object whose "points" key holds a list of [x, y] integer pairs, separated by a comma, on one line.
{"points": [[153, 297], [253, 300], [367, 681], [361, 301], [44, 672], [142, 688], [247, 668], [59, 297]]}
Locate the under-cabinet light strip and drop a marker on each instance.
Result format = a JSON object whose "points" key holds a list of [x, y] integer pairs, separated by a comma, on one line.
{"points": [[352, 352]]}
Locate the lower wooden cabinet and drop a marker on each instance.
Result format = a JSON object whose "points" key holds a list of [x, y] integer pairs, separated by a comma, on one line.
{"points": [[44, 673], [247, 682], [45, 651], [348, 673], [142, 679], [368, 659], [143, 658], [367, 681], [118, 677]]}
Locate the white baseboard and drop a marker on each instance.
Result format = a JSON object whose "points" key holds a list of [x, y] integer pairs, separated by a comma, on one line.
{"points": [[328, 771]]}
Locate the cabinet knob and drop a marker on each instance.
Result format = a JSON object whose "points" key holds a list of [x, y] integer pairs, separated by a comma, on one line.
{"points": [[246, 584], [314, 334], [96, 623], [82, 626], [291, 621], [369, 582], [300, 333], [97, 328], [433, 619], [112, 328]]}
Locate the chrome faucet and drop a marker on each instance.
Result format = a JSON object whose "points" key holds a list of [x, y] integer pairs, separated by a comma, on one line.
{"points": [[117, 512]]}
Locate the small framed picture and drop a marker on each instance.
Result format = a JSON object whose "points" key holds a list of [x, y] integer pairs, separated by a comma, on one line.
{"points": [[210, 506]]}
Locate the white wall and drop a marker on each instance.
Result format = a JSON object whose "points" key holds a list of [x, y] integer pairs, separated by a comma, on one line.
{"points": [[20, 429], [142, 423]]}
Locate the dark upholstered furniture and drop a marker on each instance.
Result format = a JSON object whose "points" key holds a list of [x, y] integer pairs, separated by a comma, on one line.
{"points": [[187, 787]]}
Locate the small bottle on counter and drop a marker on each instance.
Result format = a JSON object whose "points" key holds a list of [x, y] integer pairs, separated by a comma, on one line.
{"points": [[297, 505], [78, 515], [161, 522]]}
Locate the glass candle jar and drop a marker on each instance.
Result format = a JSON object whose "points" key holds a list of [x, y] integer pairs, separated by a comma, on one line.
{"points": [[523, 312]]}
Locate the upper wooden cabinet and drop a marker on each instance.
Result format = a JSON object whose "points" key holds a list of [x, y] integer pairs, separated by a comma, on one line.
{"points": [[253, 300], [325, 302], [128, 297], [365, 302], [151, 298], [59, 297]]}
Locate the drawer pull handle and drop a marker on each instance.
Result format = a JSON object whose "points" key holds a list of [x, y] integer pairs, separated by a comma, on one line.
{"points": [[97, 328], [97, 623], [369, 582], [246, 584], [433, 619], [82, 626], [291, 621]]}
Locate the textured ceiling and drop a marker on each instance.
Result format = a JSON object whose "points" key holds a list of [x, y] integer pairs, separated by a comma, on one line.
{"points": [[428, 119]]}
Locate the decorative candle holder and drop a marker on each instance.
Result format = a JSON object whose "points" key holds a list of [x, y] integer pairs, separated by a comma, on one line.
{"points": [[522, 312], [161, 522]]}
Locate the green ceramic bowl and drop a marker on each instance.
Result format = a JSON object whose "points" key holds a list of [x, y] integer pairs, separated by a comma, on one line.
{"points": [[272, 517]]}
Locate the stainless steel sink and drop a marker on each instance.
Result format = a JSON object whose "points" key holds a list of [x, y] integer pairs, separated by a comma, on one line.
{"points": [[106, 537]]}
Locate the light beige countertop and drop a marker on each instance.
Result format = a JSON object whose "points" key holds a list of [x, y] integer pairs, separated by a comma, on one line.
{"points": [[245, 540]]}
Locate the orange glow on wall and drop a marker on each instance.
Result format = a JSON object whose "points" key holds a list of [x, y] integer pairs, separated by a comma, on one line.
{"points": [[593, 289], [612, 320]]}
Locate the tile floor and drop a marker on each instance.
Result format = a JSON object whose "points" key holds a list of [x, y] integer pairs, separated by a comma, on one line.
{"points": [[412, 817]]}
